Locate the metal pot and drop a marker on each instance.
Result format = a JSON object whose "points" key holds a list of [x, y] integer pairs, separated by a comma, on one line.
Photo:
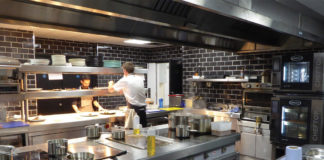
{"points": [[175, 119], [57, 147], [118, 134], [93, 132], [6, 152], [171, 120], [315, 154], [182, 131], [200, 123], [81, 156]]}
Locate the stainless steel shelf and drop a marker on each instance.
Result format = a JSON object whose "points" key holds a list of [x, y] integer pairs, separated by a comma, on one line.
{"points": [[11, 97], [48, 94], [8, 67], [68, 69], [217, 80], [74, 70]]}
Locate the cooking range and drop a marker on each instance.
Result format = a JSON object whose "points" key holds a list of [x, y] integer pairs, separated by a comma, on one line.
{"points": [[297, 108]]}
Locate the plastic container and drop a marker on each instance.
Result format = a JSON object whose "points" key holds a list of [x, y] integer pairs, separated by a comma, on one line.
{"points": [[151, 142], [221, 128], [161, 103]]}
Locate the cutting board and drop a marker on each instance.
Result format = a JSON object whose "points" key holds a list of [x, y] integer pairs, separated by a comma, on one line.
{"points": [[13, 124], [171, 109]]}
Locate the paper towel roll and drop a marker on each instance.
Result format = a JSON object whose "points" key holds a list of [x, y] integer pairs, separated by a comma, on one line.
{"points": [[293, 153]]}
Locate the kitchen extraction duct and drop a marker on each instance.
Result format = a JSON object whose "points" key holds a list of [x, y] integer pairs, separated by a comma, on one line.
{"points": [[221, 24]]}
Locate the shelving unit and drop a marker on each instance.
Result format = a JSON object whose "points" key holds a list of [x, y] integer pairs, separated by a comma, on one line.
{"points": [[24, 70], [217, 80], [11, 97], [37, 69], [48, 94]]}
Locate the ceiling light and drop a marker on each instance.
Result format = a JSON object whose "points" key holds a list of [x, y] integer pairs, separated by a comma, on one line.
{"points": [[136, 41]]}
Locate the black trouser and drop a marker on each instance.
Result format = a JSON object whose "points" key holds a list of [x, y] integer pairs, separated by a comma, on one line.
{"points": [[141, 112]]}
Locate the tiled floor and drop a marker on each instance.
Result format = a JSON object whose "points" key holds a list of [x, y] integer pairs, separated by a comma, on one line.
{"points": [[242, 157]]}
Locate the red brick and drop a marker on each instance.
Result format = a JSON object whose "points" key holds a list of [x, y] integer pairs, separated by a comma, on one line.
{"points": [[53, 47], [4, 33], [22, 40], [17, 55], [16, 34], [7, 44], [5, 54], [28, 45], [39, 41], [18, 45], [11, 39], [11, 50], [27, 35], [22, 50]]}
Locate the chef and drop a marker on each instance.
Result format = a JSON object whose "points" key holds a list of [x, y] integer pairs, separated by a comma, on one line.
{"points": [[85, 103], [132, 86]]}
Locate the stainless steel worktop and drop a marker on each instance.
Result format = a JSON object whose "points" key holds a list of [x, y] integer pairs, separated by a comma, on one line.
{"points": [[176, 150], [59, 121]]}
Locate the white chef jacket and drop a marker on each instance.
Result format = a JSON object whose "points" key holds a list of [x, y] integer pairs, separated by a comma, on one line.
{"points": [[133, 88]]}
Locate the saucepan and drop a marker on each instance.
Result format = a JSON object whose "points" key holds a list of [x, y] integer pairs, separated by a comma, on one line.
{"points": [[93, 131], [6, 152], [81, 156], [182, 131], [315, 154], [57, 147], [118, 133]]}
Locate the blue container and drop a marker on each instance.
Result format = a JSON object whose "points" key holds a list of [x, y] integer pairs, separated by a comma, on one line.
{"points": [[161, 103]]}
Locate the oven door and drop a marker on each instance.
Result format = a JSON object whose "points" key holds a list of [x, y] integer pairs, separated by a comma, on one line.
{"points": [[297, 72], [290, 121], [256, 102]]}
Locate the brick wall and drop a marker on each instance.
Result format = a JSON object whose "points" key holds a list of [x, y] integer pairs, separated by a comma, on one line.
{"points": [[138, 56], [18, 44]]}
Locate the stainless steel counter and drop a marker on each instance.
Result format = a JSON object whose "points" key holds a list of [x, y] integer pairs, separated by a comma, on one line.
{"points": [[60, 121], [176, 150]]}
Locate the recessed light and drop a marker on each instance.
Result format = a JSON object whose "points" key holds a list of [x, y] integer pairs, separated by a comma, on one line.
{"points": [[137, 41]]}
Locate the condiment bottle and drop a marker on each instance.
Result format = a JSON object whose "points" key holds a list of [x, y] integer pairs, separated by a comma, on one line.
{"points": [[136, 123], [151, 142]]}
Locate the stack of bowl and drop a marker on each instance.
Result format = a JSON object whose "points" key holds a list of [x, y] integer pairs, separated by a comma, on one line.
{"points": [[8, 61], [58, 60], [39, 61], [77, 61], [94, 61], [112, 63]]}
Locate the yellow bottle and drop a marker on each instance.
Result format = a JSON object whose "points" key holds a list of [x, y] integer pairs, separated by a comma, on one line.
{"points": [[136, 122], [151, 142]]}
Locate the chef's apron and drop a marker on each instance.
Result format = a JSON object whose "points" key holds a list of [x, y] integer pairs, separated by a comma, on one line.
{"points": [[141, 112], [86, 104]]}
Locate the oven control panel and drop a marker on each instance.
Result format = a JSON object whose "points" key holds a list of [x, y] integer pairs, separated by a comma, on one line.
{"points": [[256, 85]]}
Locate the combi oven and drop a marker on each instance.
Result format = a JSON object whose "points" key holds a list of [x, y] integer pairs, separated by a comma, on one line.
{"points": [[298, 72], [297, 120], [256, 101]]}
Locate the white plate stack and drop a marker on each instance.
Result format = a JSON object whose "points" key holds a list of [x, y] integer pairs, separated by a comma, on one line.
{"points": [[8, 61], [58, 60], [77, 61], [39, 61]]}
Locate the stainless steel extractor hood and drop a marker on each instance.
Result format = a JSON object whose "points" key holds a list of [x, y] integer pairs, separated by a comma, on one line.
{"points": [[220, 24]]}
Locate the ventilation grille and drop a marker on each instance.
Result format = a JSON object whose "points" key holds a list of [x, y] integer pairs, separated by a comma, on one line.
{"points": [[171, 7]]}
